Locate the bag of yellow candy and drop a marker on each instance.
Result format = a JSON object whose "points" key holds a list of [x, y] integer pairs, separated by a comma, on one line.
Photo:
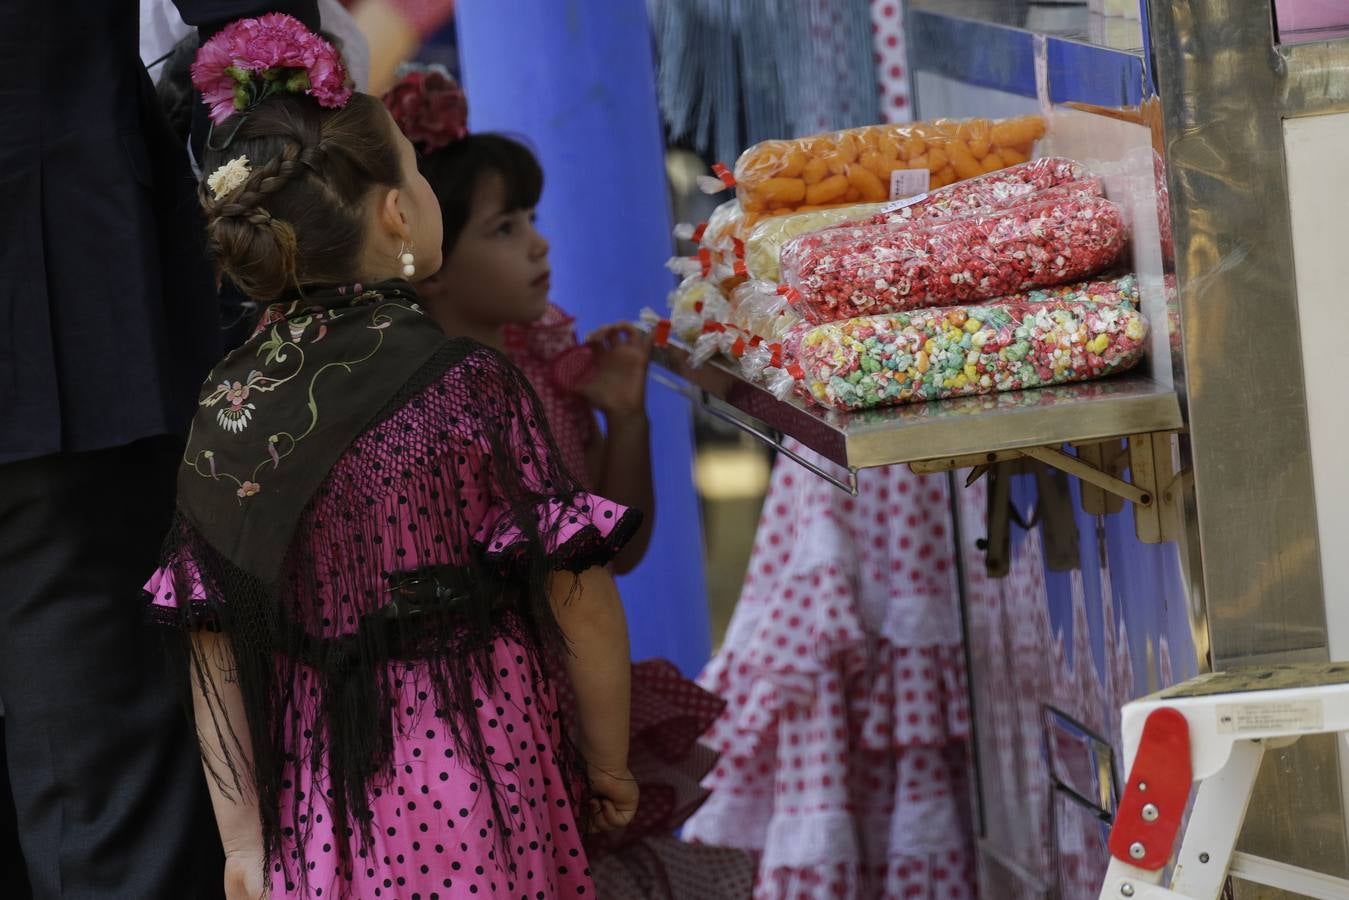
{"points": [[877, 163]]}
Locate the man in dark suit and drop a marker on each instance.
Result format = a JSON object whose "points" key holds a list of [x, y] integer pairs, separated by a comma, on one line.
{"points": [[108, 322]]}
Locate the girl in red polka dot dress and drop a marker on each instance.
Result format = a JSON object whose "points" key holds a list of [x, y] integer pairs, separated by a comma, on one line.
{"points": [[842, 746], [494, 286]]}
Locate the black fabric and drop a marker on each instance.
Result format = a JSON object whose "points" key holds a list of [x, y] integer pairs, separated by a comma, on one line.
{"points": [[277, 412], [108, 316], [13, 874], [370, 455], [105, 777]]}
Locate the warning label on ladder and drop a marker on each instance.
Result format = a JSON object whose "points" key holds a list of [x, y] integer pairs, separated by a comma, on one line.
{"points": [[1280, 716]]}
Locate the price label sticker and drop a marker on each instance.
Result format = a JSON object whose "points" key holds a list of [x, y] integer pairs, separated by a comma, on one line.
{"points": [[909, 183]]}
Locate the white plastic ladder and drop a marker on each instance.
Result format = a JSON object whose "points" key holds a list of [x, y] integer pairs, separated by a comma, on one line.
{"points": [[1214, 730]]}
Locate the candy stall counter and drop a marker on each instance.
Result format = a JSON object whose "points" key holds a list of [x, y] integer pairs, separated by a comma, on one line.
{"points": [[987, 317], [934, 291], [1129, 404]]}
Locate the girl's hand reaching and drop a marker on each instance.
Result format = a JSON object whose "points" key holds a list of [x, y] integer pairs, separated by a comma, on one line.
{"points": [[618, 386], [615, 801]]}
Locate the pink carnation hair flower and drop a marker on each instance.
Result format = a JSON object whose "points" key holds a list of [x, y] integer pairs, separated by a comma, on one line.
{"points": [[251, 59], [429, 107]]}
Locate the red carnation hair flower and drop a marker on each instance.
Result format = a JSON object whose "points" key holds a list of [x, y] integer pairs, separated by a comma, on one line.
{"points": [[429, 107]]}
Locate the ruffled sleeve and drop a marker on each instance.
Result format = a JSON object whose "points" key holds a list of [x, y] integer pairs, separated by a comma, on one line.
{"points": [[177, 595], [530, 504], [579, 533]]}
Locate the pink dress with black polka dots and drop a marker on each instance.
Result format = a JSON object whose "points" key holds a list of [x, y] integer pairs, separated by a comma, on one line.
{"points": [[434, 834], [842, 745]]}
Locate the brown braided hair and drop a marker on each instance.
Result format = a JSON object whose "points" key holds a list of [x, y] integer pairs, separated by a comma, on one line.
{"points": [[300, 218]]}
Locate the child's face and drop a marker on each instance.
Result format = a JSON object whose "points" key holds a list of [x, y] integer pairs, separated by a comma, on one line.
{"points": [[498, 273]]}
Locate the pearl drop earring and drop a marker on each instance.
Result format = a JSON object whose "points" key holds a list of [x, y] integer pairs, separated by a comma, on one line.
{"points": [[408, 260]]}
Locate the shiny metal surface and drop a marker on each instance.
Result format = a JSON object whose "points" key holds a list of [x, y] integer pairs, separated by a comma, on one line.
{"points": [[1223, 89], [1314, 78], [1131, 404]]}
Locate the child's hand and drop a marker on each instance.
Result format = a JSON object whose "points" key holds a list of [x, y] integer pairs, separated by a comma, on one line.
{"points": [[615, 800], [618, 386], [244, 876]]}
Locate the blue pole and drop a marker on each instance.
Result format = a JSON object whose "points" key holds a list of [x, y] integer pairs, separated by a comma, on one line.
{"points": [[576, 81]]}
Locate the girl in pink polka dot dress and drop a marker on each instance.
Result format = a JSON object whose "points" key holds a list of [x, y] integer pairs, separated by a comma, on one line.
{"points": [[378, 563], [842, 745]]}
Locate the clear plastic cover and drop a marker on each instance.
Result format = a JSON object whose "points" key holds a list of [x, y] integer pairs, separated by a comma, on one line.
{"points": [[760, 309], [765, 242], [694, 303], [725, 227], [997, 190]]}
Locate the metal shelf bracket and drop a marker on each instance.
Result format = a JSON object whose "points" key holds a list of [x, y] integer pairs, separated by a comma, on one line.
{"points": [[1149, 459]]}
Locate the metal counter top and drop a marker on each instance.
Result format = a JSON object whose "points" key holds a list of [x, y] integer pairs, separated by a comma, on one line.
{"points": [[1129, 404]]}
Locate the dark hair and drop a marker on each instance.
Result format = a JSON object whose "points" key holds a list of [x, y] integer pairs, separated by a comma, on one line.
{"points": [[300, 217], [174, 87], [454, 171]]}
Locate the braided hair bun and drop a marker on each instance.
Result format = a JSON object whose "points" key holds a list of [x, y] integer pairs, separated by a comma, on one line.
{"points": [[299, 217]]}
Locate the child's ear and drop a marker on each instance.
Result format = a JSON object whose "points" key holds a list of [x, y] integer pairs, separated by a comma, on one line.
{"points": [[391, 217]]}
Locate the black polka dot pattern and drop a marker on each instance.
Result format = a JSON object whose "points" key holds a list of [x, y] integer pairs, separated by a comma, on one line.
{"points": [[435, 833]]}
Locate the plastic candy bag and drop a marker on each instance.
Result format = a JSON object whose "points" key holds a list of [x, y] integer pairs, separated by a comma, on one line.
{"points": [[764, 245], [864, 270], [871, 164], [932, 354], [987, 193]]}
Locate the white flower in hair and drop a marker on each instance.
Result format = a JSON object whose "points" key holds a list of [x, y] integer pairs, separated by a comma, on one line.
{"points": [[229, 177]]}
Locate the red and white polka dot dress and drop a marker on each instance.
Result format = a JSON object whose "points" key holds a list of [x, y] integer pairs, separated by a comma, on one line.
{"points": [[892, 67], [842, 745], [669, 712]]}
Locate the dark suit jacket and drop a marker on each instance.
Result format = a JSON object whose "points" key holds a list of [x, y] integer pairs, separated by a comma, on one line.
{"points": [[108, 314]]}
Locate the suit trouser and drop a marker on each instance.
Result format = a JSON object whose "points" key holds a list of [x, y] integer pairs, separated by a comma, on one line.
{"points": [[109, 800]]}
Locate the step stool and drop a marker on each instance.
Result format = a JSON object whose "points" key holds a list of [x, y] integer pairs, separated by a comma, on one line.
{"points": [[1214, 730]]}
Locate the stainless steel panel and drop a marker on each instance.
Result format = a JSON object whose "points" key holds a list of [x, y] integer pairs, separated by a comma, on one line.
{"points": [[1221, 82], [1130, 404], [1315, 78]]}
